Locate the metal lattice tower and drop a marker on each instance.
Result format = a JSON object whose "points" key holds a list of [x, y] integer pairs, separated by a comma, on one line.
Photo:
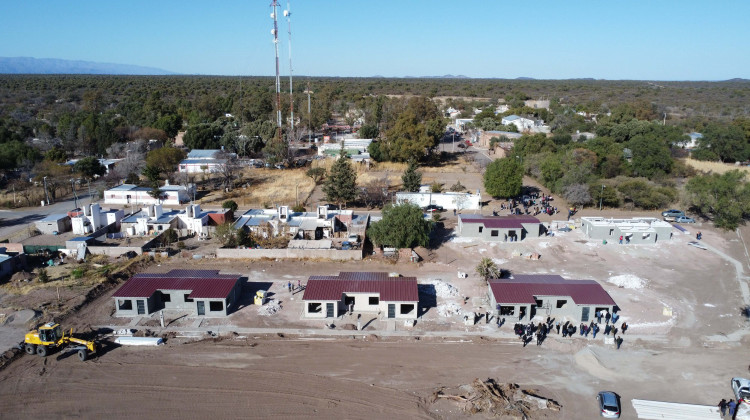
{"points": [[275, 32]]}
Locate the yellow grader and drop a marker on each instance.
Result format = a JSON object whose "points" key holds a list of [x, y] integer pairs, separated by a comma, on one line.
{"points": [[50, 337]]}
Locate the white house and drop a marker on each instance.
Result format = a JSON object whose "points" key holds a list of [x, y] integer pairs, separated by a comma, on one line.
{"points": [[351, 145], [170, 195], [202, 161], [93, 218], [523, 124], [325, 223], [462, 122]]}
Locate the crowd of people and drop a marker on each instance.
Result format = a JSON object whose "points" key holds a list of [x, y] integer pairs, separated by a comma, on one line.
{"points": [[531, 204], [527, 332]]}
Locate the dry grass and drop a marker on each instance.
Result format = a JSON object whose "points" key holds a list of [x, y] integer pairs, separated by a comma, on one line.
{"points": [[266, 186], [716, 167]]}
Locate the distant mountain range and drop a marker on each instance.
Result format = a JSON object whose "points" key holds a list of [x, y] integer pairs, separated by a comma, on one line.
{"points": [[30, 65]]}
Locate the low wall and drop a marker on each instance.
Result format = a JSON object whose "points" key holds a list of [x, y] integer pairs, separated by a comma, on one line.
{"points": [[114, 251], [255, 254]]}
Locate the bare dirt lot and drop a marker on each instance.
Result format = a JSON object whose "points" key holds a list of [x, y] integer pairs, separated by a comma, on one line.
{"points": [[684, 305]]}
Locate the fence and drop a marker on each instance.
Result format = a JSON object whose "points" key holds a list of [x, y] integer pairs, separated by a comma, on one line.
{"points": [[287, 253]]}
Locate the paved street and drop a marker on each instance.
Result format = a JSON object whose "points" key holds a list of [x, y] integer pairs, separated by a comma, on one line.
{"points": [[12, 221]]}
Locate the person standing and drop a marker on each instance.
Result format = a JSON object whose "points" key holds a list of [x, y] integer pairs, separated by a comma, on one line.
{"points": [[289, 284], [624, 327], [620, 239], [618, 340], [607, 317], [732, 407], [595, 329], [723, 407], [558, 327]]}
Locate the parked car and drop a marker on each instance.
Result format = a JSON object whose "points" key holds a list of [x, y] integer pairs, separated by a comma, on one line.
{"points": [[684, 219], [353, 238], [433, 207], [741, 388], [609, 404], [670, 215]]}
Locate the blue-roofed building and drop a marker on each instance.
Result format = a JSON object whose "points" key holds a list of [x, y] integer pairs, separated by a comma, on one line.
{"points": [[203, 153], [523, 124]]}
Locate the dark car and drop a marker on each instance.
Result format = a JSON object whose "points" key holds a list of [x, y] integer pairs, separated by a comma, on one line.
{"points": [[609, 404], [434, 207]]}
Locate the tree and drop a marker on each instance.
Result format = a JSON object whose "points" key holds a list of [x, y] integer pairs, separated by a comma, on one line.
{"points": [[577, 194], [725, 198], [56, 154], [203, 136], [487, 269], [230, 204], [651, 157], [402, 226], [340, 185], [726, 141], [368, 131], [169, 237], [457, 187], [316, 174], [226, 233], [504, 178], [89, 167], [42, 275], [412, 178], [165, 159]]}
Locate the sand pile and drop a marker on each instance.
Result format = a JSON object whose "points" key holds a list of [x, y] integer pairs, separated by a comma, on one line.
{"points": [[497, 400], [627, 281]]}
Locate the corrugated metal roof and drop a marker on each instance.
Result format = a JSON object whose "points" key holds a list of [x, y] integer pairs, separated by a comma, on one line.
{"points": [[503, 222], [202, 153], [524, 288], [392, 289], [202, 284]]}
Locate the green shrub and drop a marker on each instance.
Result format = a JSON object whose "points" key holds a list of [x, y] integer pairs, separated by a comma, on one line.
{"points": [[77, 273]]}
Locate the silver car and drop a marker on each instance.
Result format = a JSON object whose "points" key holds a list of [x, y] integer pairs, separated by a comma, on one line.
{"points": [[609, 404], [741, 388]]}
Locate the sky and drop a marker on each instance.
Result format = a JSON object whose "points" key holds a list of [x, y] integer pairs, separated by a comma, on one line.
{"points": [[543, 39]]}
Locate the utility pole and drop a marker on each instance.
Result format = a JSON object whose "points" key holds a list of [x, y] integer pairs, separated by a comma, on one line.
{"points": [[288, 14], [75, 195], [309, 113], [46, 194], [601, 196], [91, 198]]}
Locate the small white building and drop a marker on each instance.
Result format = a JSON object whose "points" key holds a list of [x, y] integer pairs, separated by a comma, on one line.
{"points": [[325, 223], [447, 200], [54, 224], [521, 123], [93, 218], [351, 145], [193, 220], [462, 122], [170, 195], [202, 161], [150, 220]]}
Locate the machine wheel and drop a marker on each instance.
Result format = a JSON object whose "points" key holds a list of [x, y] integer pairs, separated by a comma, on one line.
{"points": [[82, 355], [41, 351], [30, 349]]}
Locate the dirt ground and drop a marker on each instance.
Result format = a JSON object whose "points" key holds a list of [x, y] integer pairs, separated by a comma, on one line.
{"points": [[684, 305]]}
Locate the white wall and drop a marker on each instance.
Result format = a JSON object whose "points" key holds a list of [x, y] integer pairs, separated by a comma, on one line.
{"points": [[449, 201]]}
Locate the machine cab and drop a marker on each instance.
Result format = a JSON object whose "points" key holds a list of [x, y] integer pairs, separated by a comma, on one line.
{"points": [[50, 333]]}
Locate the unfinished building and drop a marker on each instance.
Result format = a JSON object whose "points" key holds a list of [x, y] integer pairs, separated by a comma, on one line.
{"points": [[638, 230], [374, 292]]}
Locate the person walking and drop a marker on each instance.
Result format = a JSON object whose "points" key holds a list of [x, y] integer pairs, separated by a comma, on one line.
{"points": [[558, 327], [289, 284], [594, 330], [723, 407], [624, 327], [620, 239], [618, 340]]}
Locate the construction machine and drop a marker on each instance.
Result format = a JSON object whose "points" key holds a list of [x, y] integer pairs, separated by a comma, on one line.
{"points": [[51, 336]]}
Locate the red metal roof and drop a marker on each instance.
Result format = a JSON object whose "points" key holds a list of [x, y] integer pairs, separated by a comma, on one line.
{"points": [[502, 222], [524, 288], [201, 284], [395, 289]]}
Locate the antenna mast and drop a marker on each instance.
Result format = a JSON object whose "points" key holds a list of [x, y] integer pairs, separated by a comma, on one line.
{"points": [[288, 14], [275, 33]]}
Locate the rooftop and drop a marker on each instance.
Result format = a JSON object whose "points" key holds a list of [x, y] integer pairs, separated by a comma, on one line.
{"points": [[636, 223], [392, 289], [524, 288], [202, 153], [202, 284], [206, 161], [502, 222], [54, 217]]}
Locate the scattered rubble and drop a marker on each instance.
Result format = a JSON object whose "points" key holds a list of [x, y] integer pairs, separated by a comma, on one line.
{"points": [[449, 309], [270, 308], [501, 400], [443, 289]]}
